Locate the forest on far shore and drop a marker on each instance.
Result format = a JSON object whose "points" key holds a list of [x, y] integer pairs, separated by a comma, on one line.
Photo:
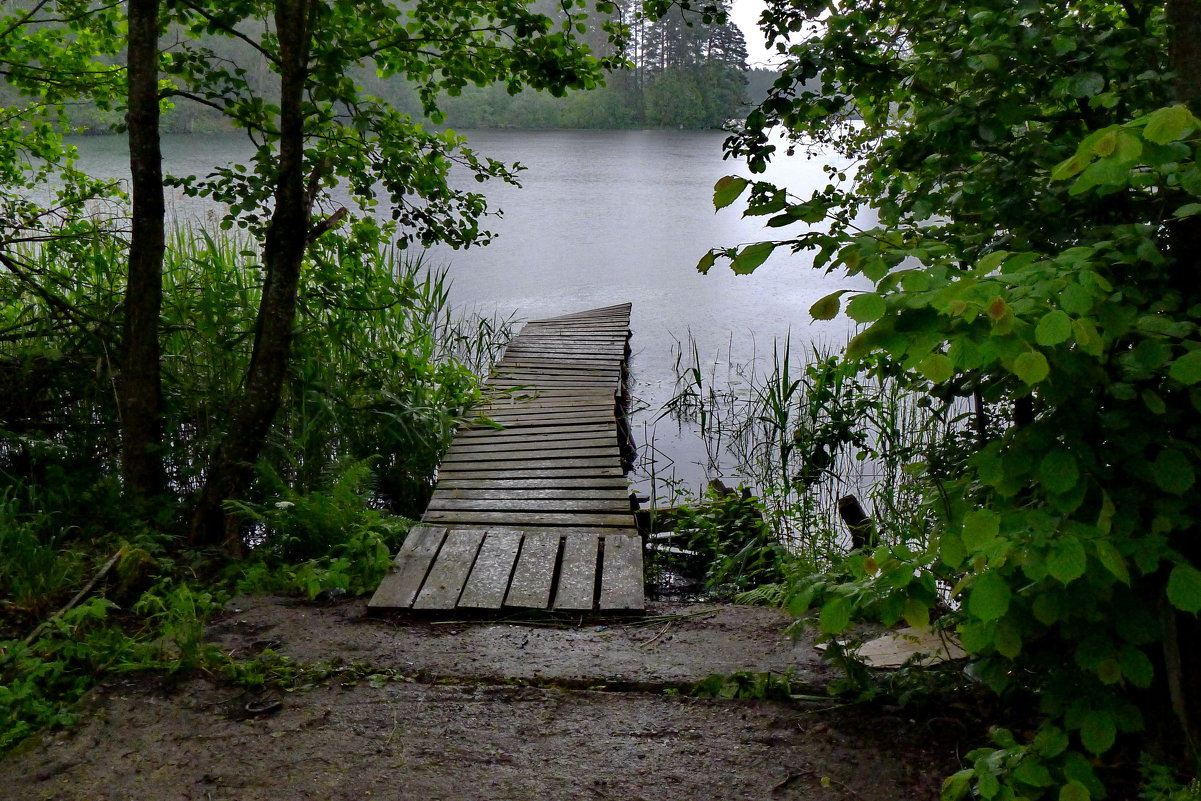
{"points": [[683, 73]]}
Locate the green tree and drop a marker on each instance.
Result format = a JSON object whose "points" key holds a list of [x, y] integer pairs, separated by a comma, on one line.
{"points": [[316, 128], [1034, 169]]}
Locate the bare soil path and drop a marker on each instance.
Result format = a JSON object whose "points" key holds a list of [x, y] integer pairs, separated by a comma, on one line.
{"points": [[488, 711]]}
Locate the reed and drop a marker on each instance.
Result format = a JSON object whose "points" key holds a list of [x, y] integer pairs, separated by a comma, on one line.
{"points": [[806, 432]]}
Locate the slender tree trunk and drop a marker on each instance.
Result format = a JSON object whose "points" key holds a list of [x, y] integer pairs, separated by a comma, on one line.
{"points": [[139, 388], [1182, 643], [232, 468]]}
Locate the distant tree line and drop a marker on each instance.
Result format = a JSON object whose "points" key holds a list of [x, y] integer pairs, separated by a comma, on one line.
{"points": [[684, 73]]}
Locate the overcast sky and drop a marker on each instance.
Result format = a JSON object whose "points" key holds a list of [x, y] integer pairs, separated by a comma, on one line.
{"points": [[745, 14]]}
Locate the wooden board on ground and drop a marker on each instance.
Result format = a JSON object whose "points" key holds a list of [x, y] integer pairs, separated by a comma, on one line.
{"points": [[577, 575], [489, 579], [403, 581], [534, 575], [447, 576], [622, 585]]}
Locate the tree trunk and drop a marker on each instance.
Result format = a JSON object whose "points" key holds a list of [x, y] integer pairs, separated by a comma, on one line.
{"points": [[1182, 646], [139, 389], [232, 468]]}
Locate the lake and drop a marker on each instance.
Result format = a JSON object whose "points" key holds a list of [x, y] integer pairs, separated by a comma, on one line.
{"points": [[607, 217]]}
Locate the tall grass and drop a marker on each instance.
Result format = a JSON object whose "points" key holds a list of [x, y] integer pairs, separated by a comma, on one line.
{"points": [[805, 432], [381, 369]]}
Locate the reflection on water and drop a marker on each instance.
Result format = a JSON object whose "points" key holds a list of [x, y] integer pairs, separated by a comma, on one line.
{"points": [[606, 217]]}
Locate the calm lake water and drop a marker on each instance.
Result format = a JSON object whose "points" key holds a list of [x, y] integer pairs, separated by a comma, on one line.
{"points": [[607, 217]]}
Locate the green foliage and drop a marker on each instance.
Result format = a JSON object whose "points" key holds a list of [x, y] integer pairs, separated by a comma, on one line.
{"points": [[1036, 185], [324, 540], [745, 686], [382, 370], [733, 539]]}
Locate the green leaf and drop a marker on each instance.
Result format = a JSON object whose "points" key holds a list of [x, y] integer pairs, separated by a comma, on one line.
{"points": [[1009, 640], [1031, 367], [980, 529], [750, 257], [827, 307], [1187, 210], [937, 367], [1109, 556], [1168, 124], [1050, 741], [727, 190], [1053, 328], [1187, 369], [1087, 84], [1069, 167], [916, 614], [990, 596], [1184, 588], [866, 308], [1046, 608], [1136, 666], [1067, 561], [1074, 791], [1097, 731], [835, 615], [703, 266], [1033, 773], [1173, 471], [1057, 472]]}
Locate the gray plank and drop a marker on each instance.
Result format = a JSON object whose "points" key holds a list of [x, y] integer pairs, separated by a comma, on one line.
{"points": [[503, 482], [517, 444], [598, 463], [519, 493], [450, 570], [535, 569], [408, 571], [600, 505], [470, 436], [591, 473], [622, 586], [506, 453], [577, 576], [521, 519], [489, 579]]}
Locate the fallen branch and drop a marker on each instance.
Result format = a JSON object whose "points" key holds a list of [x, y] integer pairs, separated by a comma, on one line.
{"points": [[79, 596]]}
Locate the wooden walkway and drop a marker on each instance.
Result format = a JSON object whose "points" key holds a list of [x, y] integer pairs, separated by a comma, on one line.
{"points": [[532, 508]]}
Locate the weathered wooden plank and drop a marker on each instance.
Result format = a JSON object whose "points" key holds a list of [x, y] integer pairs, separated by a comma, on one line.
{"points": [[451, 517], [621, 584], [501, 399], [502, 453], [512, 422], [489, 579], [564, 437], [450, 570], [533, 473], [597, 464], [535, 571], [613, 493], [501, 482], [577, 574], [469, 436], [408, 570], [493, 449], [572, 505], [611, 366]]}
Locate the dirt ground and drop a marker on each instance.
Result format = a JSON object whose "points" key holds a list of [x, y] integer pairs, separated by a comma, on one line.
{"points": [[488, 711]]}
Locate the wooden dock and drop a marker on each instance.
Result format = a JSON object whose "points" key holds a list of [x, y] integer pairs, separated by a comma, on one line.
{"points": [[532, 509]]}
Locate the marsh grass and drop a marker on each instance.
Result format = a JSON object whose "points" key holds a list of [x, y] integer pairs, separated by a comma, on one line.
{"points": [[804, 430]]}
